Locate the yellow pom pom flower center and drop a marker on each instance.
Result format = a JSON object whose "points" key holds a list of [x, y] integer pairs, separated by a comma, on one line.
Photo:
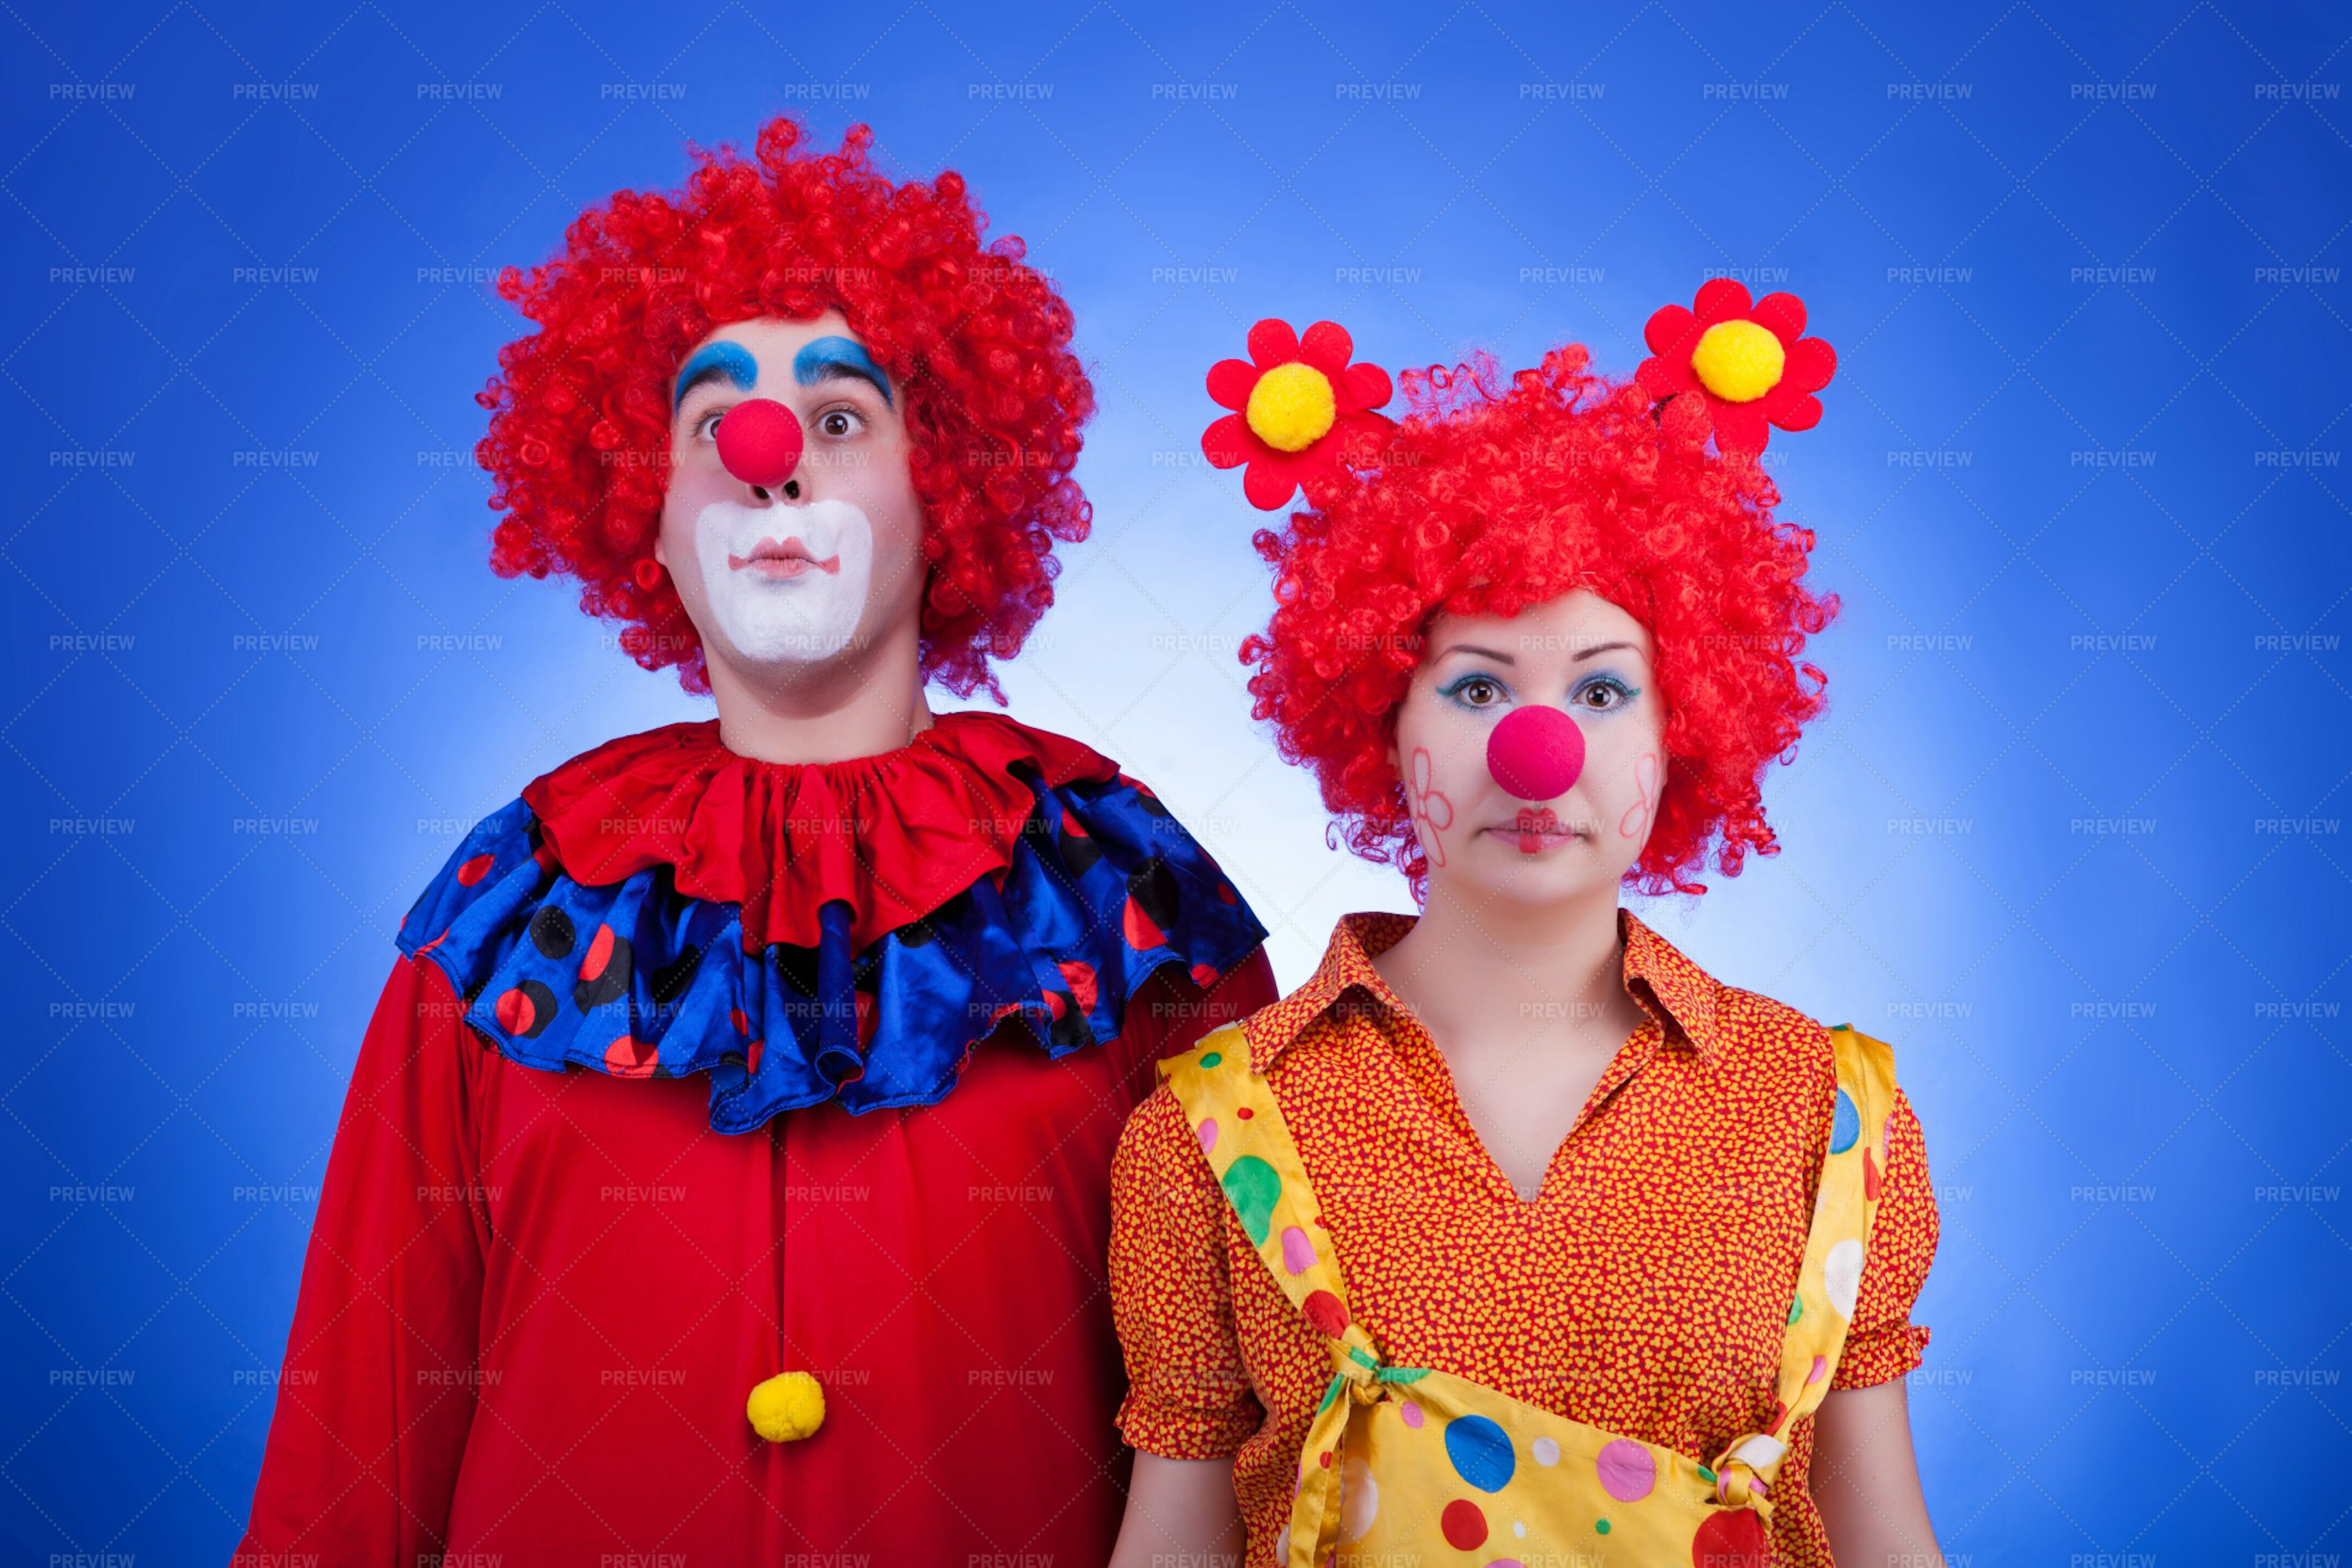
{"points": [[1292, 406], [1739, 361], [787, 1407]]}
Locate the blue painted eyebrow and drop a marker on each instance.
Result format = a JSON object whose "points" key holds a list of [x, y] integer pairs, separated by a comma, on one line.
{"points": [[821, 358], [732, 361]]}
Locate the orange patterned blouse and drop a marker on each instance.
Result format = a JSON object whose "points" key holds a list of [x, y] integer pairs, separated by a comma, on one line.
{"points": [[1645, 1290]]}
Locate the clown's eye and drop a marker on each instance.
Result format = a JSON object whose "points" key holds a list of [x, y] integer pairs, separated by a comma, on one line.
{"points": [[840, 423], [706, 428], [1601, 693], [1475, 691]]}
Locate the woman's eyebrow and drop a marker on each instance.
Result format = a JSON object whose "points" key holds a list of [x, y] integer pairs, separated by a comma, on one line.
{"points": [[710, 362], [1499, 657]]}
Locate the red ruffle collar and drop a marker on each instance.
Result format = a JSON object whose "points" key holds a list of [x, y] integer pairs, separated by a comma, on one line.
{"points": [[894, 835]]}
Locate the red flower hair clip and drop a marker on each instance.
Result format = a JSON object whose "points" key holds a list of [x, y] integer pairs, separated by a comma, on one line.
{"points": [[1293, 399], [1752, 363]]}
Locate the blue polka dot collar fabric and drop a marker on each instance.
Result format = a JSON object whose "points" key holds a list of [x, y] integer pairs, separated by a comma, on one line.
{"points": [[638, 980]]}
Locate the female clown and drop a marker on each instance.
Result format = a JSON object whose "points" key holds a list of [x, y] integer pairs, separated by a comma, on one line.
{"points": [[1513, 1235]]}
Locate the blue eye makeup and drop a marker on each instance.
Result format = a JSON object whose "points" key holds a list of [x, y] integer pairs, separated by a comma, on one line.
{"points": [[1470, 691], [1454, 690], [712, 361], [823, 359], [1620, 693]]}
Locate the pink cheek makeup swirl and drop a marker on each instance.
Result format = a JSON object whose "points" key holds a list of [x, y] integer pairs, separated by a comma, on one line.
{"points": [[1432, 812], [1636, 820]]}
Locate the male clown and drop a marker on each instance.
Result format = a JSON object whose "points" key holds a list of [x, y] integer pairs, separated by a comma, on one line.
{"points": [[725, 1169]]}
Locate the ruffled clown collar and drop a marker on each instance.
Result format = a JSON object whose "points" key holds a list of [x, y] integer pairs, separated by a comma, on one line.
{"points": [[828, 931]]}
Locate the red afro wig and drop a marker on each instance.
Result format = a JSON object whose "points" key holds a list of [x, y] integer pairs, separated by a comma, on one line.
{"points": [[1488, 499], [580, 426]]}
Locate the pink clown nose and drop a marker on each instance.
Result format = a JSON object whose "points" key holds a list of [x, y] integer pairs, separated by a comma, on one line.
{"points": [[1535, 753], [759, 442]]}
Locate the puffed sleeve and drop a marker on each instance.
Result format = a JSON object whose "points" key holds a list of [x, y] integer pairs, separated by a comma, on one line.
{"points": [[377, 1395], [1188, 1395], [1170, 1011], [1883, 1343]]}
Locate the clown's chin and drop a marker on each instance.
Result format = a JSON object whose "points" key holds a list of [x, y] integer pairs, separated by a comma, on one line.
{"points": [[805, 619], [786, 615]]}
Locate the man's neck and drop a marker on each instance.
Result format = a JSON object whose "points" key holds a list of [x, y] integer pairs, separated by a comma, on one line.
{"points": [[821, 714]]}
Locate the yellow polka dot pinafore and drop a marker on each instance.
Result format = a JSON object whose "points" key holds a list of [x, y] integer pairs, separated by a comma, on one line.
{"points": [[1414, 1465]]}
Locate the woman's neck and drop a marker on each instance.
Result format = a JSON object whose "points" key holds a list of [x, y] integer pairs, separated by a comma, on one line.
{"points": [[1511, 970]]}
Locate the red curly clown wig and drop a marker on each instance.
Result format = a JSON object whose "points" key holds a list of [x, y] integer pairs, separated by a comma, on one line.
{"points": [[1488, 499], [580, 426]]}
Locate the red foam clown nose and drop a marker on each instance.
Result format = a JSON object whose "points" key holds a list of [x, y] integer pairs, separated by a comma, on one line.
{"points": [[1535, 753], [759, 442]]}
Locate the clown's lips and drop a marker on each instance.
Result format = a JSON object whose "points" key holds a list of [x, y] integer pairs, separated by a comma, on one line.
{"points": [[776, 560], [1540, 828]]}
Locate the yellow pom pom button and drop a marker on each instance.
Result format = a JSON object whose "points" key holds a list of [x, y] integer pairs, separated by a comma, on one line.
{"points": [[1739, 361], [1292, 406], [787, 1407]]}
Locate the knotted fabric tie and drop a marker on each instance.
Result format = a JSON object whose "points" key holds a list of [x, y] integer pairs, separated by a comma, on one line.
{"points": [[1359, 1377]]}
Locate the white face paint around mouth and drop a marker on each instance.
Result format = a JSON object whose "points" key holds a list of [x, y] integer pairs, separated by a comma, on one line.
{"points": [[786, 583]]}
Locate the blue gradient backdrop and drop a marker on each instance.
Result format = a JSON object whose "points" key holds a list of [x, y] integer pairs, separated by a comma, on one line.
{"points": [[2068, 834]]}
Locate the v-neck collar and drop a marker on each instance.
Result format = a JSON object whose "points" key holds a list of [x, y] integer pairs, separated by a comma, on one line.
{"points": [[1677, 996]]}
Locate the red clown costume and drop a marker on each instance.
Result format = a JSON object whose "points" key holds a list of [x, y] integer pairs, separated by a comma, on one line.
{"points": [[725, 1169]]}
